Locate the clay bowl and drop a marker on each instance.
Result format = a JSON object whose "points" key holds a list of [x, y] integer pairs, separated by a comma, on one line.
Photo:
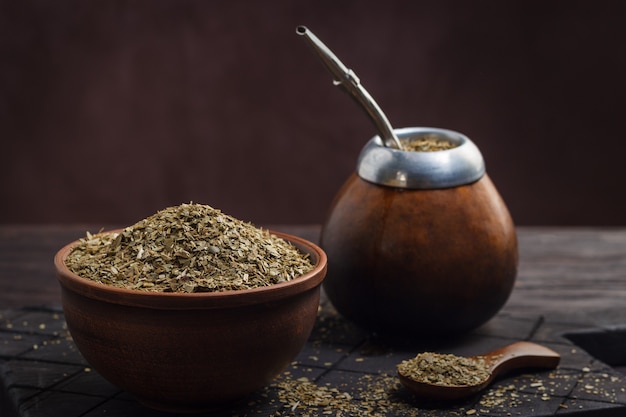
{"points": [[191, 352]]}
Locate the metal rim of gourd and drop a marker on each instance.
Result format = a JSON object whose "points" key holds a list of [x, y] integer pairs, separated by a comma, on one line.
{"points": [[448, 168]]}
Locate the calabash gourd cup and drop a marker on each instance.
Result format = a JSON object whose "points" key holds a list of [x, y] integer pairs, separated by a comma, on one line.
{"points": [[191, 352], [419, 243]]}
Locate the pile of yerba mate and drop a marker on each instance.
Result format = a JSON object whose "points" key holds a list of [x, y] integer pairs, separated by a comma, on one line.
{"points": [[188, 248], [445, 369]]}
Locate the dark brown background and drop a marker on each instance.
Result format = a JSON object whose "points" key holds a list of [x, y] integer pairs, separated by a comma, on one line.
{"points": [[112, 110]]}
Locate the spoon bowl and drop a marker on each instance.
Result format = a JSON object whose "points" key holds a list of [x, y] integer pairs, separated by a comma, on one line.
{"points": [[519, 355]]}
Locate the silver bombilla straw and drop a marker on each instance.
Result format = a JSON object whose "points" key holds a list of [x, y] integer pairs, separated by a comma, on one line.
{"points": [[350, 83]]}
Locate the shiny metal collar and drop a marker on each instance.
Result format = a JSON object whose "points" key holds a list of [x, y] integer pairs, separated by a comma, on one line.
{"points": [[391, 167]]}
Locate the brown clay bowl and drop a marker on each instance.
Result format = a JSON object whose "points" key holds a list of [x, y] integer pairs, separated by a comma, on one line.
{"points": [[191, 352]]}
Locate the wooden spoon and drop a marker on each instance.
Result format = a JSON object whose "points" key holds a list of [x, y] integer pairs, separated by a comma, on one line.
{"points": [[518, 355]]}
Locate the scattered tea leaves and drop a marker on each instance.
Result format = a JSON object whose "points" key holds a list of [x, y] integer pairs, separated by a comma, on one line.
{"points": [[188, 248], [372, 395]]}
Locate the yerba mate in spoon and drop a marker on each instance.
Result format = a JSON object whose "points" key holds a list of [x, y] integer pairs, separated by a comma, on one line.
{"points": [[437, 376]]}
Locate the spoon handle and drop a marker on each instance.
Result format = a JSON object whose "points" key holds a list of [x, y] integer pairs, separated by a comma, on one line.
{"points": [[523, 355], [348, 81]]}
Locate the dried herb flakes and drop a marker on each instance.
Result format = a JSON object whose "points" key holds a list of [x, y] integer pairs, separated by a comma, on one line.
{"points": [[445, 369], [188, 248], [427, 143]]}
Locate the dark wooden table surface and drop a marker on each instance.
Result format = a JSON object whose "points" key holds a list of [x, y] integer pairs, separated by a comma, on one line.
{"points": [[570, 280]]}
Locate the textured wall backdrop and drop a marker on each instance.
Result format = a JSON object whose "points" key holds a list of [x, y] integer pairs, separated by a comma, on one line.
{"points": [[112, 110]]}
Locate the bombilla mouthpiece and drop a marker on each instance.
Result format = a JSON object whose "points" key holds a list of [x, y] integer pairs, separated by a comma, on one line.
{"points": [[348, 81]]}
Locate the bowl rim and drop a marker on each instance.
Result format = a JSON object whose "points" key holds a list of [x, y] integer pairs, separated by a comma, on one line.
{"points": [[200, 300]]}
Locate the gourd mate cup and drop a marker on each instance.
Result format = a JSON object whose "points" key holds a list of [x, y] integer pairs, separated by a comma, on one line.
{"points": [[419, 243]]}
